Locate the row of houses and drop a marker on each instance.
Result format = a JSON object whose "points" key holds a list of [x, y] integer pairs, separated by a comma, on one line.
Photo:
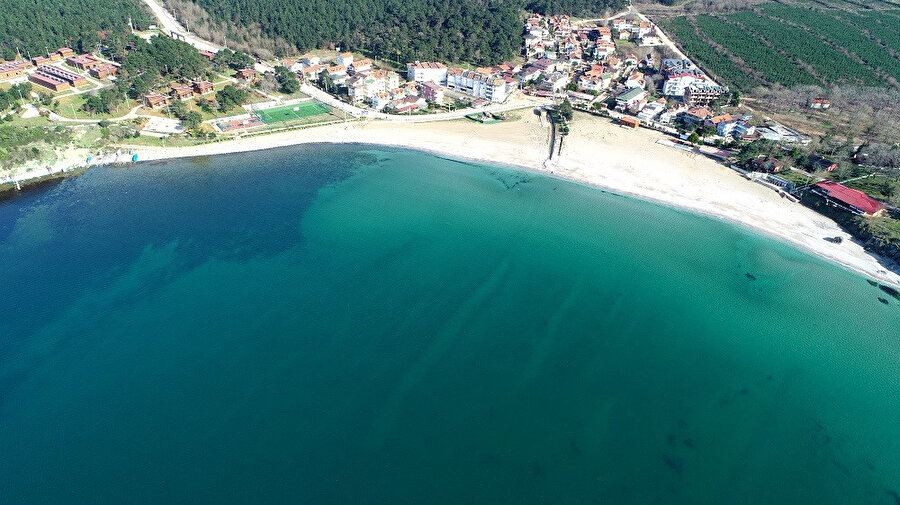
{"points": [[177, 91], [54, 78], [18, 66], [365, 84], [14, 68], [491, 84]]}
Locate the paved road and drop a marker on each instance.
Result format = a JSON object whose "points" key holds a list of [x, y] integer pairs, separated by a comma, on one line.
{"points": [[614, 16], [668, 43], [357, 112], [52, 116], [168, 23]]}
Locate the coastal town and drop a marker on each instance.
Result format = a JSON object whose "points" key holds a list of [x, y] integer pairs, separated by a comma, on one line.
{"points": [[387, 252], [623, 69]]}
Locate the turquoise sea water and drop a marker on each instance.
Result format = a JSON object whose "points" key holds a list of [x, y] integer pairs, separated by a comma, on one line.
{"points": [[347, 325]]}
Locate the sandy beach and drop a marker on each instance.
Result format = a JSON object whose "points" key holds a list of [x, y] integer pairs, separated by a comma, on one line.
{"points": [[598, 153]]}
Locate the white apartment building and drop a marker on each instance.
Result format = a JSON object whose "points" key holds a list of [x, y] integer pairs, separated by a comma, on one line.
{"points": [[365, 87], [678, 82], [426, 71], [478, 84]]}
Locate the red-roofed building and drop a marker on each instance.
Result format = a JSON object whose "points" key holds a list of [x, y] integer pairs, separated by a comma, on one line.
{"points": [[182, 92], [49, 81], [715, 120], [696, 115], [629, 122], [433, 92], [83, 61], [818, 103], [104, 71], [72, 78], [41, 60], [848, 199], [13, 68], [202, 87], [155, 100], [247, 74]]}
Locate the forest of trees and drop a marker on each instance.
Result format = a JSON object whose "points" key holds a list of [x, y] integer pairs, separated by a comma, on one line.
{"points": [[474, 31], [33, 26]]}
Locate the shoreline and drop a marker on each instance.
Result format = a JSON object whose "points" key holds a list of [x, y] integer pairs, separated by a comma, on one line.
{"points": [[597, 154]]}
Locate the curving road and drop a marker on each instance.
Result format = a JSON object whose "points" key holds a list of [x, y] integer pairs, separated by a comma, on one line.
{"points": [[130, 115], [169, 24]]}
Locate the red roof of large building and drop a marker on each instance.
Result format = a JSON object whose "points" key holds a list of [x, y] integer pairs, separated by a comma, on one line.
{"points": [[853, 197]]}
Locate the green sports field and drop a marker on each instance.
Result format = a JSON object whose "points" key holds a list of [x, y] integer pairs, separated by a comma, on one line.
{"points": [[291, 112]]}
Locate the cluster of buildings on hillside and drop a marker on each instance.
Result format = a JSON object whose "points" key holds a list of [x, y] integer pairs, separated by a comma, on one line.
{"points": [[47, 71], [482, 85], [425, 82], [643, 33], [378, 88], [177, 91], [581, 59], [562, 58]]}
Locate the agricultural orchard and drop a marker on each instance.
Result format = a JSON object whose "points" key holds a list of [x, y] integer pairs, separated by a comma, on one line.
{"points": [[841, 35], [798, 44], [828, 63], [713, 61], [758, 56]]}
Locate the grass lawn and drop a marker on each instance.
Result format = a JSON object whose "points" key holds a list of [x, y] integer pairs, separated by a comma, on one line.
{"points": [[796, 177], [67, 103], [877, 186], [884, 227], [292, 112], [216, 114]]}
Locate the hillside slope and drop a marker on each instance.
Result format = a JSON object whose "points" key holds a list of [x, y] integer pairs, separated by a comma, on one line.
{"points": [[33, 26], [474, 31]]}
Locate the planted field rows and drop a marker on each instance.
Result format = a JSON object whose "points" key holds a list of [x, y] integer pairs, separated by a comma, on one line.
{"points": [[884, 28], [773, 66], [841, 34], [830, 64], [711, 59]]}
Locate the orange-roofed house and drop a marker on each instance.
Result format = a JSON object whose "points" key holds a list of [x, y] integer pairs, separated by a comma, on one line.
{"points": [[182, 92], [246, 74], [715, 120], [155, 101], [629, 121], [345, 59]]}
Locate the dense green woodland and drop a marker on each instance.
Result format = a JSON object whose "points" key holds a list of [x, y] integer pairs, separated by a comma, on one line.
{"points": [[477, 31], [33, 25]]}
